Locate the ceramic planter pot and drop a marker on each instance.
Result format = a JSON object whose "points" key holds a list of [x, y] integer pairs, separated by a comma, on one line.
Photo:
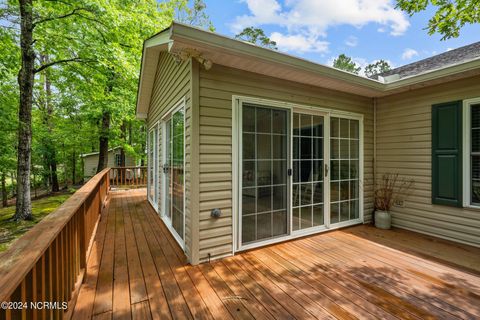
{"points": [[383, 219]]}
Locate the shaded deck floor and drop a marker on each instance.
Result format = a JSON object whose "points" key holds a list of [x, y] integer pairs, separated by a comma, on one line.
{"points": [[137, 271]]}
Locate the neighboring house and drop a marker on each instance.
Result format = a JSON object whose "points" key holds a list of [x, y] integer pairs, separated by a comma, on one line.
{"points": [[248, 146], [90, 161]]}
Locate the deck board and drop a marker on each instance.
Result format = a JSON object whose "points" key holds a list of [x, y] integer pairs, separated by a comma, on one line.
{"points": [[136, 270]]}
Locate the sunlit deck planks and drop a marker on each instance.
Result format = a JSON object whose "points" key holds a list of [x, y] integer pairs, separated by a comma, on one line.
{"points": [[136, 270]]}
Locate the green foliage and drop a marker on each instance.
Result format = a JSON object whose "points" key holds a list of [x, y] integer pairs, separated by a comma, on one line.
{"points": [[256, 36], [89, 52], [375, 68], [345, 63], [195, 15], [450, 15], [11, 230]]}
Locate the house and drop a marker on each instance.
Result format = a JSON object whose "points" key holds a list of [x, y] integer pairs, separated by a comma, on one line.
{"points": [[249, 146], [90, 161]]}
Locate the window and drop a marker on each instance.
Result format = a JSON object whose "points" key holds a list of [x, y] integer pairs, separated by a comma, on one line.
{"points": [[472, 152], [118, 160]]}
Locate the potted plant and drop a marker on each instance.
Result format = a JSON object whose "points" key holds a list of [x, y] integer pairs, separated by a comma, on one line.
{"points": [[392, 189]]}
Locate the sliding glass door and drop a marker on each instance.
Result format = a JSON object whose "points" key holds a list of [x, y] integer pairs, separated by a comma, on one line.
{"points": [[345, 168], [174, 170], [264, 173], [308, 163], [299, 172]]}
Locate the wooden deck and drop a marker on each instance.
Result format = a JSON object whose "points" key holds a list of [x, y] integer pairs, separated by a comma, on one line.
{"points": [[137, 271]]}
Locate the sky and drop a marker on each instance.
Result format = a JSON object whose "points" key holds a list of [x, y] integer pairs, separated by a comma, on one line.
{"points": [[320, 30]]}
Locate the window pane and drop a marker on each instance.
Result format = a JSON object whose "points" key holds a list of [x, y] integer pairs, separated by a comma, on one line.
{"points": [[306, 148], [264, 146], [317, 216], [344, 128], [279, 147], [317, 126], [306, 217], [344, 211], [279, 197], [475, 109], [318, 192], [264, 120], [334, 191], [295, 219], [248, 200], [264, 225], [335, 212], [279, 173], [334, 127], [354, 129], [317, 170], [264, 173], [296, 124], [279, 121], [344, 148], [475, 140], [296, 170], [335, 148], [354, 149], [264, 199], [318, 148], [248, 228], [306, 125], [306, 194], [248, 119], [248, 176], [279, 223], [248, 146], [296, 195], [335, 170]]}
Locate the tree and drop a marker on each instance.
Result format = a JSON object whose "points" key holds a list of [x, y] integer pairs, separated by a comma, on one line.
{"points": [[450, 16], [375, 68], [256, 36], [345, 63], [195, 16]]}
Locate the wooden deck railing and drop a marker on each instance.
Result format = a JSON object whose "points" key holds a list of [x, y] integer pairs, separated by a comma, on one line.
{"points": [[47, 264], [132, 177]]}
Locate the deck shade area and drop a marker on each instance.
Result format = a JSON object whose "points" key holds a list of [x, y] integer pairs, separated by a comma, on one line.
{"points": [[137, 270]]}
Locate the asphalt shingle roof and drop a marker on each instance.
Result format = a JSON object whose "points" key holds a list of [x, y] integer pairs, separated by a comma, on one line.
{"points": [[452, 57]]}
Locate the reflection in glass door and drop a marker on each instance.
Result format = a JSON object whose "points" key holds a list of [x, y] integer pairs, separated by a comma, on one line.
{"points": [[264, 173], [174, 171], [308, 161], [344, 175]]}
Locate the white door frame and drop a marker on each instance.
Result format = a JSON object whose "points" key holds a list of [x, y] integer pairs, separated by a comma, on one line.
{"points": [[168, 222], [237, 102]]}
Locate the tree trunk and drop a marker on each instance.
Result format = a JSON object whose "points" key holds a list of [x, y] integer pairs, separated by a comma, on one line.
{"points": [[53, 168], [103, 149], [23, 210], [74, 167], [4, 190]]}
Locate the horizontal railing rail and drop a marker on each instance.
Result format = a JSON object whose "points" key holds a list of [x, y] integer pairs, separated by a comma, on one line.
{"points": [[131, 177], [47, 264]]}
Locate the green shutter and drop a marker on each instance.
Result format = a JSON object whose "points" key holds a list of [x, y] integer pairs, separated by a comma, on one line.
{"points": [[447, 153]]}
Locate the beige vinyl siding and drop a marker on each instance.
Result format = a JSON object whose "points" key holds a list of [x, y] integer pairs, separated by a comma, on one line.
{"points": [[90, 163], [404, 146], [216, 89], [172, 84]]}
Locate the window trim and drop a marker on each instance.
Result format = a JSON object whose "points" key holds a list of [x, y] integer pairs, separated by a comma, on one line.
{"points": [[467, 179]]}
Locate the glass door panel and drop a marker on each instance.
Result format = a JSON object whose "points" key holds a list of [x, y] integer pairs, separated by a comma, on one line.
{"points": [[174, 171], [152, 165], [177, 171], [264, 173], [344, 175], [308, 163]]}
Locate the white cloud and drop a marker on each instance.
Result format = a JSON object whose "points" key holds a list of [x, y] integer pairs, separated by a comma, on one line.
{"points": [[409, 54], [317, 16], [351, 41], [299, 43], [449, 49]]}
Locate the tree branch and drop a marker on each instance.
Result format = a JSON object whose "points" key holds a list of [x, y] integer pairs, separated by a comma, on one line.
{"points": [[50, 64], [72, 13]]}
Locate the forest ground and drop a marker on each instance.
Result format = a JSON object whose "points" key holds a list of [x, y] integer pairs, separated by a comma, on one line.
{"points": [[11, 230]]}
